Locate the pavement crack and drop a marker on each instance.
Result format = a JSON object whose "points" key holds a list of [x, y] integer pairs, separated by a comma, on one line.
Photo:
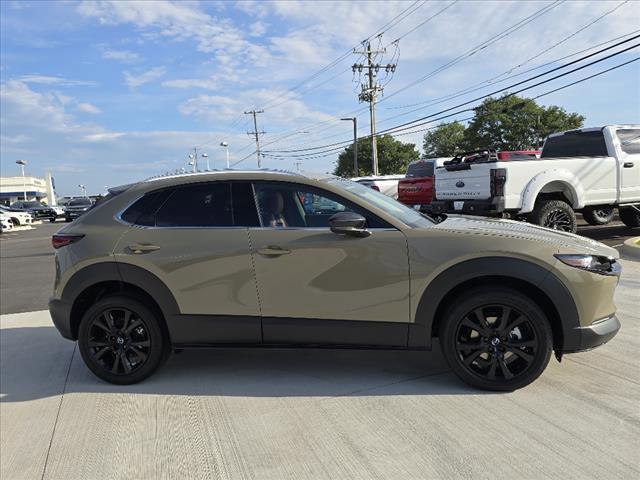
{"points": [[55, 423]]}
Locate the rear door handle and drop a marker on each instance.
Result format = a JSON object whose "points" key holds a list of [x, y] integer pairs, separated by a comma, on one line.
{"points": [[273, 251], [627, 165], [143, 248]]}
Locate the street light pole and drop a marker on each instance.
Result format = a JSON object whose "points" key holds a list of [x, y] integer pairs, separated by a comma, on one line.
{"points": [[355, 143], [22, 163], [226, 147], [207, 157], [83, 190]]}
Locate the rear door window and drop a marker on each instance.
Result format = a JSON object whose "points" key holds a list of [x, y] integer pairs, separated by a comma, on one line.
{"points": [[576, 144], [245, 212], [143, 211], [629, 140], [420, 169], [197, 205]]}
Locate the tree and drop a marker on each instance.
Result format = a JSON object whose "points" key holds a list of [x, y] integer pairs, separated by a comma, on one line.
{"points": [[515, 123], [444, 141], [393, 157]]}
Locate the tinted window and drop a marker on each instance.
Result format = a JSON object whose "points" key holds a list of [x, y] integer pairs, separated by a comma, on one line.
{"points": [[245, 213], [197, 205], [31, 204], [420, 169], [576, 144], [286, 205], [143, 211], [629, 140], [80, 201]]}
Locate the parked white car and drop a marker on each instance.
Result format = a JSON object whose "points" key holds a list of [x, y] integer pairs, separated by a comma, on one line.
{"points": [[387, 184], [17, 218], [5, 223], [592, 170]]}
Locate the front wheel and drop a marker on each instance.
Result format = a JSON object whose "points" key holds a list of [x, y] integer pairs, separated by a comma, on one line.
{"points": [[554, 214], [630, 216], [496, 339], [121, 340], [598, 215]]}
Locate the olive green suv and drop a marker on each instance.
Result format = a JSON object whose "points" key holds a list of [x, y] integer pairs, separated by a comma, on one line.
{"points": [[269, 258]]}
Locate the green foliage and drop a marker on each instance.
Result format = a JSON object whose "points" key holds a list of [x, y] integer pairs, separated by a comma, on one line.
{"points": [[508, 123], [393, 157], [447, 138]]}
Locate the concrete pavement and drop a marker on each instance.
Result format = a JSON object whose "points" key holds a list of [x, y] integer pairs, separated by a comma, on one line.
{"points": [[316, 413]]}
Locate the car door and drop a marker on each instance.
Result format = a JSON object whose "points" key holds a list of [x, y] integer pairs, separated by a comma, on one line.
{"points": [[629, 164], [319, 287], [194, 238]]}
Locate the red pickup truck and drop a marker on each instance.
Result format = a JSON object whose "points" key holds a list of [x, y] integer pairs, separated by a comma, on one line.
{"points": [[416, 189]]}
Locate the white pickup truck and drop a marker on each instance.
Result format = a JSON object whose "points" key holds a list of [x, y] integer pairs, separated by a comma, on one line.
{"points": [[592, 171], [387, 184]]}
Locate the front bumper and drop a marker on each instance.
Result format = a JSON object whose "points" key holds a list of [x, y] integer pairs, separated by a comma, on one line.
{"points": [[592, 336], [61, 315], [488, 207]]}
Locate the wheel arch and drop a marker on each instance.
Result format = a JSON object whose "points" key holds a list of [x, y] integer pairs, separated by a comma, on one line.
{"points": [[95, 281], [530, 279], [555, 185]]}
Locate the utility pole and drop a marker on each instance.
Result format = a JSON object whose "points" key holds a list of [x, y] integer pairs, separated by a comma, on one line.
{"points": [[369, 92], [355, 144], [298, 164], [255, 132]]}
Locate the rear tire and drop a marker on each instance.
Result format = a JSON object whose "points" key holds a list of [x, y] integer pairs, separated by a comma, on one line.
{"points": [[629, 216], [554, 214], [507, 349], [598, 215], [121, 340]]}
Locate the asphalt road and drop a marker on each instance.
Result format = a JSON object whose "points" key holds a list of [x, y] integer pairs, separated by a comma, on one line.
{"points": [[316, 414], [27, 271]]}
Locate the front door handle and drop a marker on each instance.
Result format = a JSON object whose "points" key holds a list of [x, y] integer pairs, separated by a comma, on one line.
{"points": [[273, 251], [627, 165], [143, 248]]}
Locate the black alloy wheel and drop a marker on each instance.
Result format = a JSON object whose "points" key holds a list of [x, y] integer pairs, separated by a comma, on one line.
{"points": [[496, 338], [554, 214], [558, 219], [121, 340]]}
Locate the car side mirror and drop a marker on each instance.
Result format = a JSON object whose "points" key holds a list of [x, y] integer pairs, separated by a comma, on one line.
{"points": [[349, 223]]}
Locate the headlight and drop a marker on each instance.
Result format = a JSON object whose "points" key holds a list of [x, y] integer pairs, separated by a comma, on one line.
{"points": [[592, 263]]}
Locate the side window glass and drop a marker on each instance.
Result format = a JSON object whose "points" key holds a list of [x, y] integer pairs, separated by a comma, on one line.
{"points": [[298, 206], [143, 211], [629, 140], [197, 205], [245, 213]]}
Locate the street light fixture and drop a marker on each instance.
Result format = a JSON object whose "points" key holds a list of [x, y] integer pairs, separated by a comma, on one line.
{"points": [[22, 163], [226, 146], [83, 190], [204, 155]]}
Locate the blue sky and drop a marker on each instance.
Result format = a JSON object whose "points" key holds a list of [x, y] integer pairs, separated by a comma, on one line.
{"points": [[104, 93]]}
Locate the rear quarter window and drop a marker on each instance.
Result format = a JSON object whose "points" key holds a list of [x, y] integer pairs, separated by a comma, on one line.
{"points": [[576, 144], [420, 169]]}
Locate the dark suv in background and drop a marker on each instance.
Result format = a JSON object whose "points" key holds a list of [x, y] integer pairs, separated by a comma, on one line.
{"points": [[36, 209], [76, 207]]}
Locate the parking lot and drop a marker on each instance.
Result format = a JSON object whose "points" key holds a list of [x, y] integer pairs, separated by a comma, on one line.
{"points": [[275, 413]]}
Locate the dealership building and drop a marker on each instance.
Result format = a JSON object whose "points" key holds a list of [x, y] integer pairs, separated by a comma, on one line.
{"points": [[13, 189]]}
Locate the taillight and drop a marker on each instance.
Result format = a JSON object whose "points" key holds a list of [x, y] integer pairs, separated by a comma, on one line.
{"points": [[375, 187], [62, 240], [498, 178]]}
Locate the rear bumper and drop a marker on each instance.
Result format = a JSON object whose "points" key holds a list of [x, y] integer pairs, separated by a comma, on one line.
{"points": [[592, 336], [61, 315], [488, 207]]}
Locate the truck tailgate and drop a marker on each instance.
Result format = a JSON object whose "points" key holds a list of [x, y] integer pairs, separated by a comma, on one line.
{"points": [[473, 183]]}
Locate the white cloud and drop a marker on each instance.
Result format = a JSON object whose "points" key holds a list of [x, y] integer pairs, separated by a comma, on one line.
{"points": [[125, 56], [258, 29], [134, 81], [207, 84], [88, 108], [58, 81]]}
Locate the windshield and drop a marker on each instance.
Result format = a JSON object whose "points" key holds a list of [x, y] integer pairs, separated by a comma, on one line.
{"points": [[420, 169], [403, 213], [32, 204], [80, 201]]}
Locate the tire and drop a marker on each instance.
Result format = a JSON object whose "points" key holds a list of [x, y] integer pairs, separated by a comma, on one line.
{"points": [[135, 344], [67, 219], [629, 216], [52, 220], [555, 214], [521, 342], [598, 215]]}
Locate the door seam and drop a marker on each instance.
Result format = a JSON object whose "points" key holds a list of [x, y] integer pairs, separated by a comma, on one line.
{"points": [[255, 281]]}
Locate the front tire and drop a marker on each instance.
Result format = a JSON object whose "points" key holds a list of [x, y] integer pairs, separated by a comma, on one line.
{"points": [[598, 215], [554, 214], [496, 339], [629, 216], [121, 340]]}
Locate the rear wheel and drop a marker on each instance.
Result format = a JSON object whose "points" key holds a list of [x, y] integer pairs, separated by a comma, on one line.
{"points": [[121, 340], [598, 215], [496, 339], [629, 216], [554, 214]]}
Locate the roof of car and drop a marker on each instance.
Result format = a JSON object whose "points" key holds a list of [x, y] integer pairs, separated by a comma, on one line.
{"points": [[265, 173]]}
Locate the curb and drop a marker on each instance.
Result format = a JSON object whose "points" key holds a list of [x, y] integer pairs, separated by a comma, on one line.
{"points": [[631, 248]]}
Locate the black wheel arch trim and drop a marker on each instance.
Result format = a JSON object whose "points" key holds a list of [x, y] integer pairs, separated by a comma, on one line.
{"points": [[422, 330], [123, 273]]}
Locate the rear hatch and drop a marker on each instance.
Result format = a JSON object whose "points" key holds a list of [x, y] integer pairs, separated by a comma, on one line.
{"points": [[473, 183]]}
